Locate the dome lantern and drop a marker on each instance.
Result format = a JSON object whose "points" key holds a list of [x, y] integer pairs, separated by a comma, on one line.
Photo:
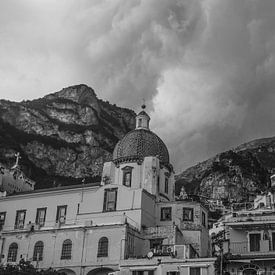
{"points": [[142, 119]]}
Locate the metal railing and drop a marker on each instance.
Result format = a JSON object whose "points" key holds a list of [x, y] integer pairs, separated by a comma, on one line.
{"points": [[238, 247], [264, 246]]}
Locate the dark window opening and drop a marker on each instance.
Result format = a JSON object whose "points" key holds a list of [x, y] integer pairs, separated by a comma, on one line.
{"points": [[254, 241], [66, 252], [173, 273], [139, 122], [203, 217], [40, 216], [166, 214], [102, 250], [20, 219], [127, 176], [2, 219], [110, 198], [273, 242], [195, 271], [187, 214], [61, 214], [38, 251], [156, 245], [12, 253]]}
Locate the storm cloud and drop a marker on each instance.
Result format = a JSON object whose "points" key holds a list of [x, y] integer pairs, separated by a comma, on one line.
{"points": [[205, 67]]}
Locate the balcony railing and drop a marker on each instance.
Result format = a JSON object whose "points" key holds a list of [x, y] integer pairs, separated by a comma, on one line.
{"points": [[239, 247], [184, 251], [264, 247]]}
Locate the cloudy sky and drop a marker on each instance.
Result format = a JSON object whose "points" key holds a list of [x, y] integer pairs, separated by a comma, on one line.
{"points": [[205, 67]]}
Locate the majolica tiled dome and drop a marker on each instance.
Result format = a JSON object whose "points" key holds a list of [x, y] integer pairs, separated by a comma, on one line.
{"points": [[138, 144]]}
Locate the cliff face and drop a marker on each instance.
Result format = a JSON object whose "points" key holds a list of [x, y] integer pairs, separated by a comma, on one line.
{"points": [[234, 175], [62, 137]]}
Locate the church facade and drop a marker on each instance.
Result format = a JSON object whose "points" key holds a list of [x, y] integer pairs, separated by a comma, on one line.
{"points": [[128, 223]]}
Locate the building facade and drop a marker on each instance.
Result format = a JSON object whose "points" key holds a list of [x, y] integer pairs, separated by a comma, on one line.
{"points": [[129, 219], [248, 237]]}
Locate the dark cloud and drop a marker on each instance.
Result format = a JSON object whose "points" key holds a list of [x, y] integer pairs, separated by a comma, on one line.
{"points": [[205, 67]]}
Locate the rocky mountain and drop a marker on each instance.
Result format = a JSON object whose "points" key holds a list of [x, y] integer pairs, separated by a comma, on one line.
{"points": [[235, 175], [62, 137]]}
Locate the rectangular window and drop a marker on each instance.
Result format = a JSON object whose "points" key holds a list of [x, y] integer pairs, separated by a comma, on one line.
{"points": [[110, 197], [254, 241], [173, 273], [2, 219], [166, 186], [61, 214], [143, 272], [20, 219], [40, 216], [203, 219], [195, 271], [138, 272], [273, 241], [166, 214], [187, 214], [127, 176], [130, 245]]}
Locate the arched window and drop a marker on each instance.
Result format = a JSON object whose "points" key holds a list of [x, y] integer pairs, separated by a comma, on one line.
{"points": [[139, 122], [66, 252], [12, 254], [102, 250], [38, 251]]}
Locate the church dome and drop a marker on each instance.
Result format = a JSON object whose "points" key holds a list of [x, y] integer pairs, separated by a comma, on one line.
{"points": [[141, 143], [138, 144]]}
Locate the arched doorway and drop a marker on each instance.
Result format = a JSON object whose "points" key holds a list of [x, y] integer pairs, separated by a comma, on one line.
{"points": [[67, 271], [250, 271], [100, 271]]}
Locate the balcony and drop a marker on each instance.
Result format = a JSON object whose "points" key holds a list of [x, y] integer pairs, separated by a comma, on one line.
{"points": [[184, 251], [242, 248], [257, 219]]}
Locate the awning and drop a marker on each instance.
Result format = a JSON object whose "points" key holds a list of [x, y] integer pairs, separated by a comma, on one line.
{"points": [[263, 259], [251, 260]]}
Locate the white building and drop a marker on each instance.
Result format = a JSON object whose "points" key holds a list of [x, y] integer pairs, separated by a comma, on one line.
{"points": [[131, 214]]}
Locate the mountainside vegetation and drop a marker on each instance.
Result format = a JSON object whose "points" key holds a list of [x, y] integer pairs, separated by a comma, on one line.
{"points": [[64, 137], [235, 175]]}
